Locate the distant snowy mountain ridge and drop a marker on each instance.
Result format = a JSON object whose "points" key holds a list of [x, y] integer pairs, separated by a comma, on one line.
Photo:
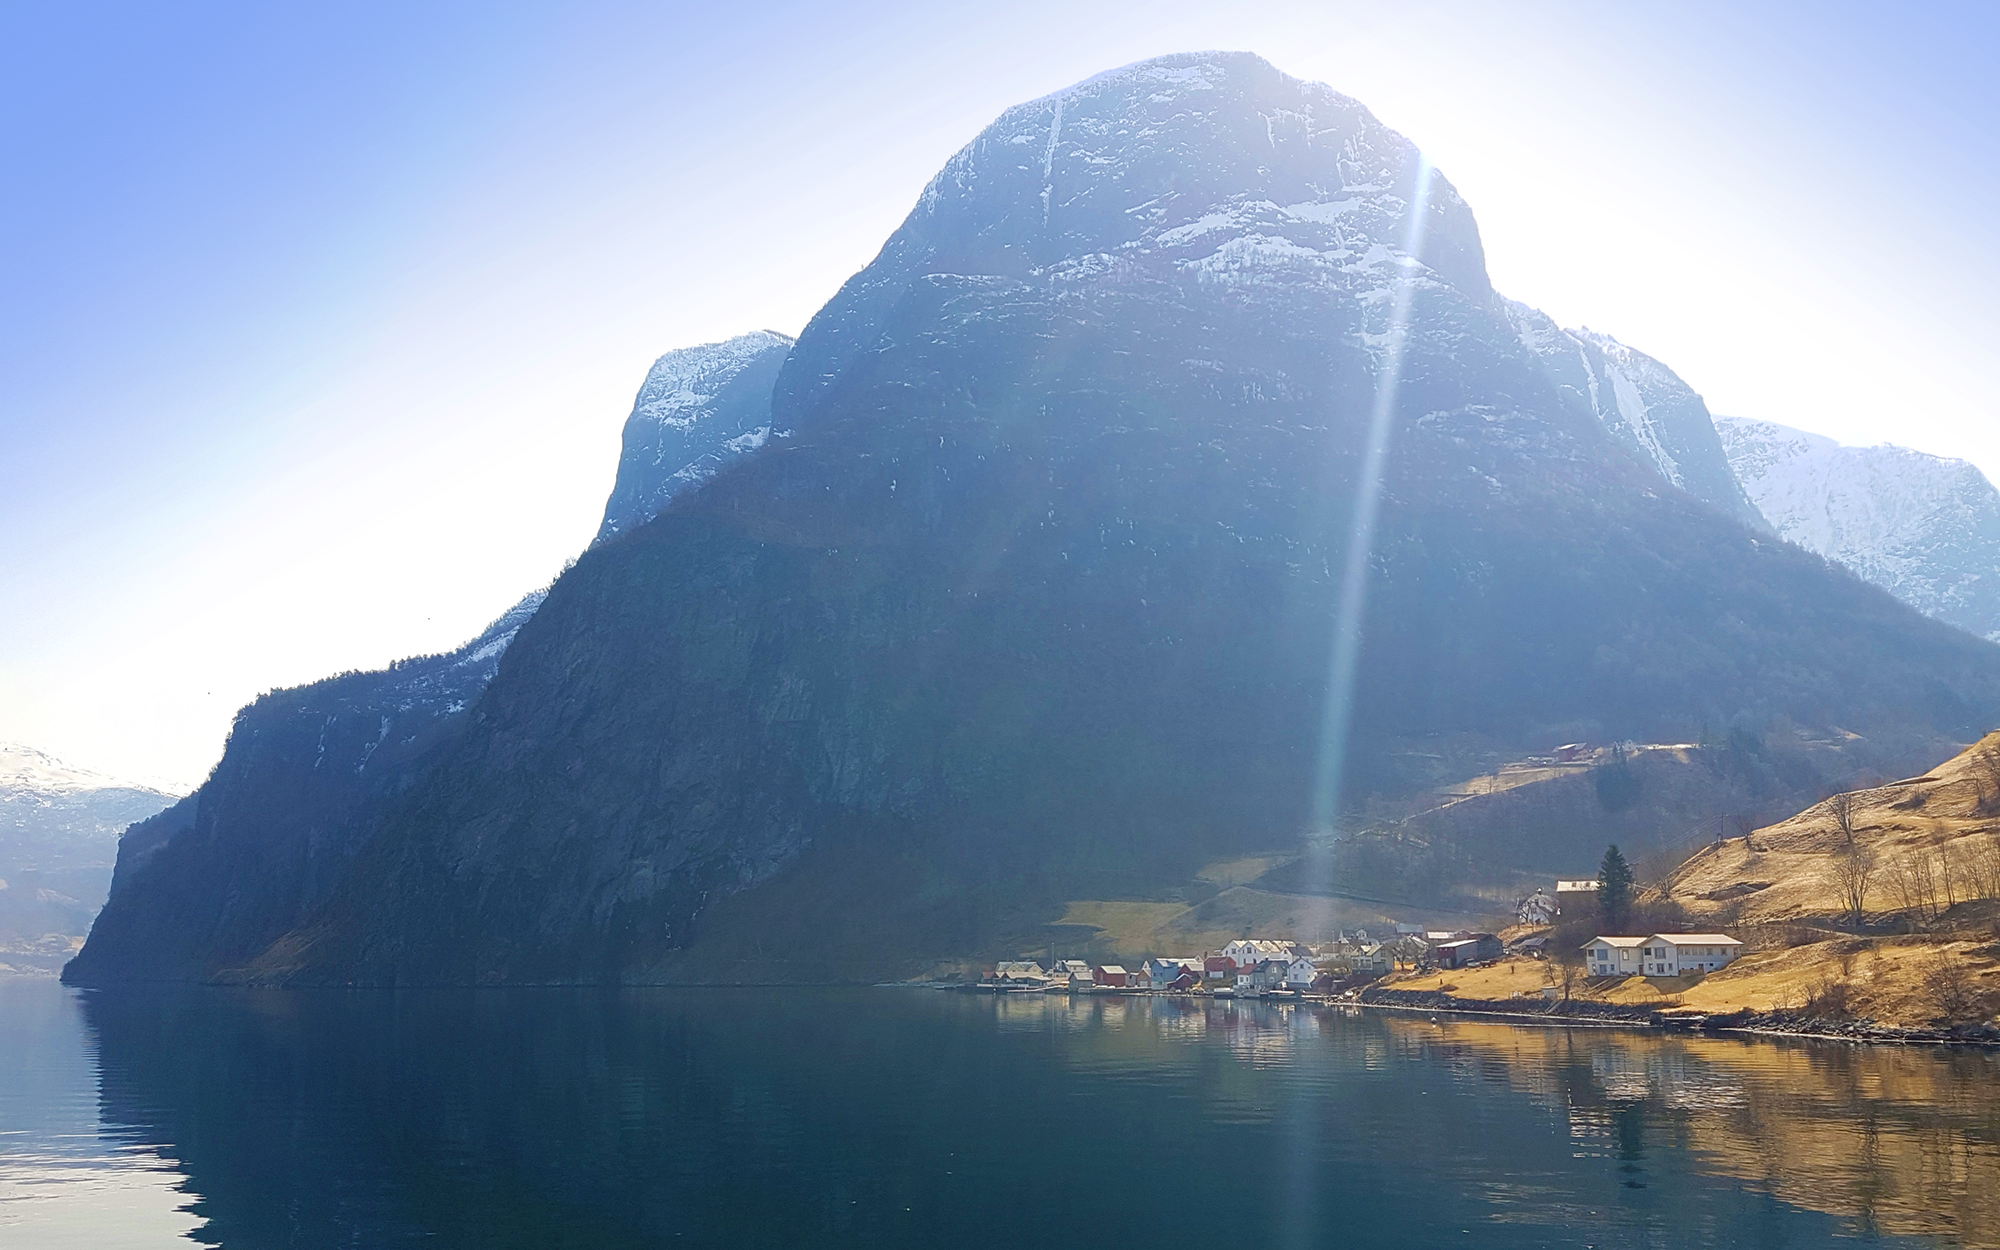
{"points": [[59, 828], [1925, 528], [25, 771]]}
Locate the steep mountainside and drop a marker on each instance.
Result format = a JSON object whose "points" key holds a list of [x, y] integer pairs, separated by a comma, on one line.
{"points": [[1924, 528], [307, 772], [59, 830], [1644, 405], [699, 408], [1164, 378]]}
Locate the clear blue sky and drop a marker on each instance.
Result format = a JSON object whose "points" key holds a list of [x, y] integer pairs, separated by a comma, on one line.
{"points": [[318, 322]]}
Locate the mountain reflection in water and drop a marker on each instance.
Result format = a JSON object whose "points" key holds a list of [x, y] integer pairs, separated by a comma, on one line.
{"points": [[882, 1117]]}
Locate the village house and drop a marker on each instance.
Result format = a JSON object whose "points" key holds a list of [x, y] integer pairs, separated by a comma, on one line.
{"points": [[1374, 959], [1300, 973], [1614, 956], [1248, 952], [1019, 970], [1674, 954], [1660, 954], [1477, 948], [1576, 895], [1538, 908], [1218, 968], [1111, 976], [1268, 975], [1534, 947]]}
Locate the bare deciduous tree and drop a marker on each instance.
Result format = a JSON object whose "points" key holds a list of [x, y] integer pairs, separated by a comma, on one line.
{"points": [[1950, 877], [1852, 867], [1827, 999], [1979, 866], [1955, 992], [1842, 807], [1986, 775], [1916, 880], [1568, 970]]}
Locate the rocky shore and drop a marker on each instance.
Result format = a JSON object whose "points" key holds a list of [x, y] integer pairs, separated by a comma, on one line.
{"points": [[1584, 1012]]}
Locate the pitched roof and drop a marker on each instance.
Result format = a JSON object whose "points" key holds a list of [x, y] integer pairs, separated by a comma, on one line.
{"points": [[1708, 939], [1619, 941]]}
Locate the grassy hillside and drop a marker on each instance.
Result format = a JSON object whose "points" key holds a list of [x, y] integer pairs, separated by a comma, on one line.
{"points": [[1912, 849]]}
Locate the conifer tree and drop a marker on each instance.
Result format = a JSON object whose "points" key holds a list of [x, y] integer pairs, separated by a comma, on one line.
{"points": [[1614, 888]]}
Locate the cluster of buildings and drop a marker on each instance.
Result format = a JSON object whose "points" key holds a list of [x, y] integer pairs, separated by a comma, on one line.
{"points": [[1255, 967], [1651, 955]]}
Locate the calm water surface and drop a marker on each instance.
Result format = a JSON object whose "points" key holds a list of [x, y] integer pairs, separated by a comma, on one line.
{"points": [[889, 1118]]}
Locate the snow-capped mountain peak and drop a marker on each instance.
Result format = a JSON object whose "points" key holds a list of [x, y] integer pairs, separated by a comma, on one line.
{"points": [[683, 383], [699, 407], [1925, 528]]}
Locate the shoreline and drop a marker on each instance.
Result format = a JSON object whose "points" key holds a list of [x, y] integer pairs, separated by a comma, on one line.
{"points": [[1768, 1024]]}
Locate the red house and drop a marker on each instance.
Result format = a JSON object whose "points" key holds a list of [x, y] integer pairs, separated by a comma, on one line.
{"points": [[1111, 975], [1218, 968]]}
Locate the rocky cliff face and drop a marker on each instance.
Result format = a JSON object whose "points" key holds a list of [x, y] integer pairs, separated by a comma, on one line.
{"points": [[1643, 404], [216, 878], [59, 828], [1924, 528], [1165, 379], [308, 773], [699, 408]]}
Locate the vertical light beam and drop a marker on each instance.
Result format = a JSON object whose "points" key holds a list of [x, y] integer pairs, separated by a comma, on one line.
{"points": [[1339, 709], [1302, 1129]]}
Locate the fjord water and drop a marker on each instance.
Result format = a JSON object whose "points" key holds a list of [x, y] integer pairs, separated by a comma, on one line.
{"points": [[914, 1118]]}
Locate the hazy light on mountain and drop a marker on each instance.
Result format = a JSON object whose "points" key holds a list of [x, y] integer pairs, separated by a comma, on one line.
{"points": [[319, 326], [1347, 626]]}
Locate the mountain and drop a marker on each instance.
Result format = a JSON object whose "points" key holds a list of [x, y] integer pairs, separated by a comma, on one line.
{"points": [[1644, 405], [59, 828], [699, 408], [1924, 528], [1171, 387], [308, 772], [304, 774]]}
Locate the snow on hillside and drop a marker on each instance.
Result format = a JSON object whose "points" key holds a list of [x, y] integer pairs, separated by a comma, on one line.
{"points": [[1641, 403], [1925, 528], [698, 407]]}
